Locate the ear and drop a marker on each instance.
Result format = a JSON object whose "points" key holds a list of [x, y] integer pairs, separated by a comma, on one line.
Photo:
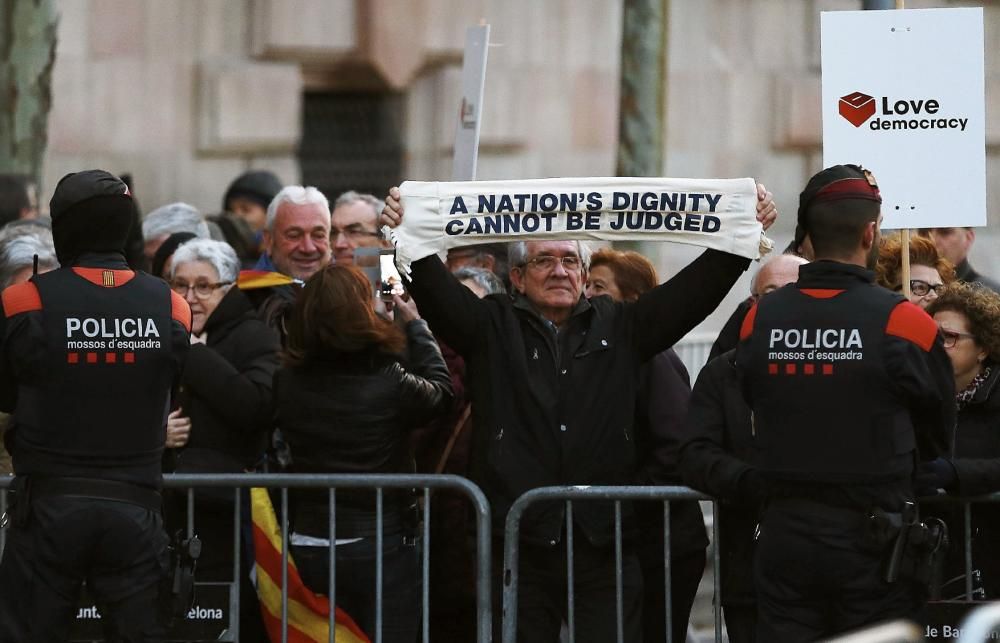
{"points": [[871, 232], [517, 279], [489, 262], [267, 239]]}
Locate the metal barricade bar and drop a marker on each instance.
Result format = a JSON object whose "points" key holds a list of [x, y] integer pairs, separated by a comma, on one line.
{"points": [[333, 482], [512, 534]]}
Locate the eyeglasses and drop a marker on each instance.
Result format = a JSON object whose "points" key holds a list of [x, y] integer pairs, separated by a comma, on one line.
{"points": [[353, 232], [921, 288], [201, 290], [545, 263], [950, 337]]}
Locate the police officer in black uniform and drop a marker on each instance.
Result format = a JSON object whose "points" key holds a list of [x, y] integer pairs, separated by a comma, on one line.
{"points": [[850, 387], [88, 358]]}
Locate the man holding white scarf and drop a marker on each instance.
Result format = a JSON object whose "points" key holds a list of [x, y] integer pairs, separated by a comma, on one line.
{"points": [[552, 379]]}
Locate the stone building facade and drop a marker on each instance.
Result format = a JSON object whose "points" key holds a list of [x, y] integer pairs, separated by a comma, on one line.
{"points": [[186, 94]]}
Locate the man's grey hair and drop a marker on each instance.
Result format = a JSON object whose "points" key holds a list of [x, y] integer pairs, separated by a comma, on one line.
{"points": [[40, 227], [296, 195], [351, 197], [517, 253], [172, 218], [218, 253], [18, 253], [482, 277]]}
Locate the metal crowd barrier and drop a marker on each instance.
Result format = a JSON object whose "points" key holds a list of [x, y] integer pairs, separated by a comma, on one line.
{"points": [[512, 533], [982, 624], [335, 482], [967, 528], [667, 494]]}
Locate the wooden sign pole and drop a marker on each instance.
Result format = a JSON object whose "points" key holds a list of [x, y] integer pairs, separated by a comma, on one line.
{"points": [[905, 232]]}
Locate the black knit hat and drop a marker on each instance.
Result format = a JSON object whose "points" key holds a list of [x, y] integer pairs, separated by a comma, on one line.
{"points": [[832, 184], [260, 186], [167, 250], [92, 211]]}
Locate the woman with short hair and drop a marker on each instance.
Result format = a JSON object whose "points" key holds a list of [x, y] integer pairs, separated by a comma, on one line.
{"points": [[222, 419], [968, 316], [225, 391], [929, 271]]}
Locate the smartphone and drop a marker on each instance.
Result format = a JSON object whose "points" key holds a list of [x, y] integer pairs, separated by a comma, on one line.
{"points": [[390, 282]]}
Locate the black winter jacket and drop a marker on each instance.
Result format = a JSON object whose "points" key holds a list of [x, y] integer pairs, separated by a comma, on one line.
{"points": [[965, 272], [719, 450], [911, 370], [226, 390], [977, 465], [661, 407], [557, 407], [352, 413]]}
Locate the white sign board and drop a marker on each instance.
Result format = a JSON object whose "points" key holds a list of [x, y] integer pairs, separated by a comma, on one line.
{"points": [[903, 95]]}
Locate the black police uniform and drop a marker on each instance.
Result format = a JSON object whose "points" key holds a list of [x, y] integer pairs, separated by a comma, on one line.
{"points": [[89, 355], [849, 385]]}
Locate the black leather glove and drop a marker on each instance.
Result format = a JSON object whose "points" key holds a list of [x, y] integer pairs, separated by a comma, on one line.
{"points": [[933, 476]]}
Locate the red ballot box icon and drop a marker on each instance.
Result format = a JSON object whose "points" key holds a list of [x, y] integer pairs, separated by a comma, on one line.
{"points": [[857, 108]]}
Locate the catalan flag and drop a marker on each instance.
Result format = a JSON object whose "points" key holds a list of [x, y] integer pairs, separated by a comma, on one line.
{"points": [[252, 279], [308, 613]]}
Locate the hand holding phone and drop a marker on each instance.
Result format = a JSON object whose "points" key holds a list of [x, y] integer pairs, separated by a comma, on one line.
{"points": [[390, 281]]}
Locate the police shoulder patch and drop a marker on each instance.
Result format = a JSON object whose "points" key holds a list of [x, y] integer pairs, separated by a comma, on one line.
{"points": [[910, 322], [21, 298], [180, 311], [746, 328]]}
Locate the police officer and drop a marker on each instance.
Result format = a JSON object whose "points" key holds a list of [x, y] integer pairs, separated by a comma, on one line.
{"points": [[849, 387], [88, 358]]}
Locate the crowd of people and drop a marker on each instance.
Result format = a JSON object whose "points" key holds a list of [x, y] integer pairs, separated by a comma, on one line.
{"points": [[544, 363]]}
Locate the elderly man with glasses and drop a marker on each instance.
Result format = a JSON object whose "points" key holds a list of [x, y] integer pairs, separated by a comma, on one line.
{"points": [[553, 378]]}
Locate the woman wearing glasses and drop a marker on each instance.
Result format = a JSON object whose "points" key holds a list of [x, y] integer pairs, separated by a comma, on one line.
{"points": [[225, 395], [969, 318], [223, 416], [929, 271]]}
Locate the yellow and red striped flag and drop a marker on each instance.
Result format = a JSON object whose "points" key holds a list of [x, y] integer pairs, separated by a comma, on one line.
{"points": [[251, 279], [308, 613]]}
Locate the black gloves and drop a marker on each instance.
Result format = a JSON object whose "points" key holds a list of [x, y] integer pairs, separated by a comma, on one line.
{"points": [[934, 475]]}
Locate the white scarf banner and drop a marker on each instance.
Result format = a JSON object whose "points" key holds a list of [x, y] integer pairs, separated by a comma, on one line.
{"points": [[712, 213]]}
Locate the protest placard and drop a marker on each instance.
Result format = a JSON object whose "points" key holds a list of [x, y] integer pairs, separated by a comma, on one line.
{"points": [[713, 213], [903, 95]]}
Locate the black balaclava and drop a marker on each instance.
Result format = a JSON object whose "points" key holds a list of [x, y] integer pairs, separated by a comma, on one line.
{"points": [[92, 211]]}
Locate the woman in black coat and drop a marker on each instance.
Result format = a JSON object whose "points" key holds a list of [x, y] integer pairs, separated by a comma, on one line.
{"points": [[969, 318], [346, 403], [223, 415], [225, 394], [661, 405]]}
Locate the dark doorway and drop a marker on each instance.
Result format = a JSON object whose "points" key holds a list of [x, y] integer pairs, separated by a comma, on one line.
{"points": [[352, 141]]}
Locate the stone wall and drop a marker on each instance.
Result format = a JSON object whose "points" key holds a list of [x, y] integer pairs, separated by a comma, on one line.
{"points": [[186, 94]]}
